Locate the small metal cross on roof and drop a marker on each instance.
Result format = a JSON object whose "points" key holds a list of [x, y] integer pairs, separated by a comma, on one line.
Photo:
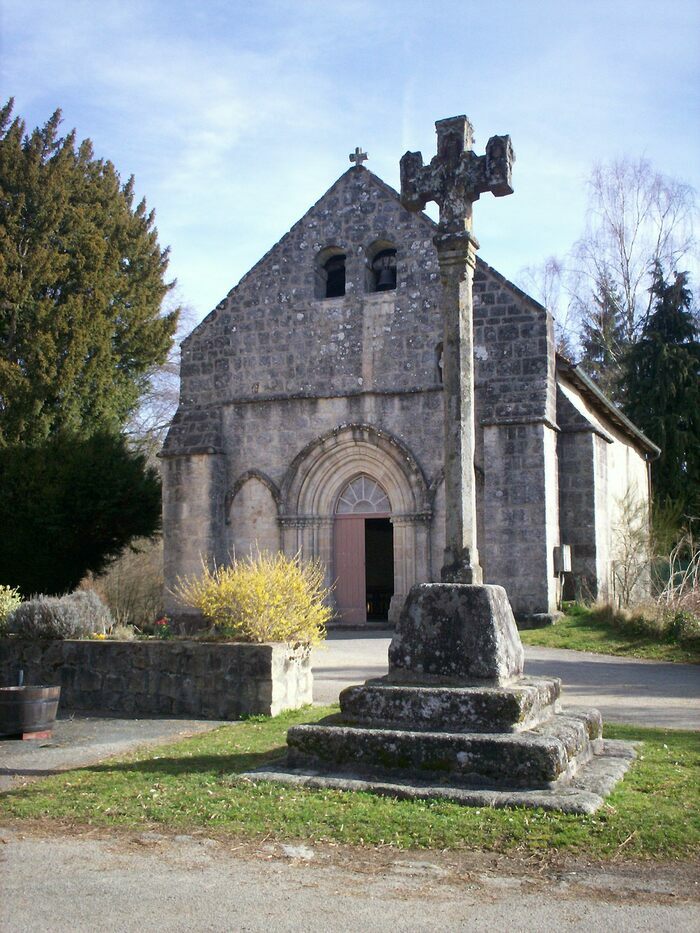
{"points": [[358, 157]]}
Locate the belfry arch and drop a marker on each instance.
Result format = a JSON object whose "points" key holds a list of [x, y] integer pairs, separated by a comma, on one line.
{"points": [[325, 469]]}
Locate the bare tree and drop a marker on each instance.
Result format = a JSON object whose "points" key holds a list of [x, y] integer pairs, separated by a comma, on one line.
{"points": [[149, 423], [638, 220], [547, 283]]}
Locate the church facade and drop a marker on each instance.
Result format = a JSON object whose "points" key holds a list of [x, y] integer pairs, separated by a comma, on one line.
{"points": [[310, 421]]}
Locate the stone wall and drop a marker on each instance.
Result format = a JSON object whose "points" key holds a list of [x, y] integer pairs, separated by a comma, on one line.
{"points": [[164, 678], [603, 476]]}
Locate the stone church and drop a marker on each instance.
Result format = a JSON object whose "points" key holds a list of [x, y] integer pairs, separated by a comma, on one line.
{"points": [[310, 420]]}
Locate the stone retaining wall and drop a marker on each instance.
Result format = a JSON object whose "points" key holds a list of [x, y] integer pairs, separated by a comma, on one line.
{"points": [[165, 678]]}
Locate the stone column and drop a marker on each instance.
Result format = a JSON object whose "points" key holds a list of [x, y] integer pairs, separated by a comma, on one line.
{"points": [[458, 628], [454, 179], [457, 259]]}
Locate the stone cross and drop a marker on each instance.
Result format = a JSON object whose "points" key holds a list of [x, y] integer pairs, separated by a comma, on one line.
{"points": [[358, 157], [454, 179]]}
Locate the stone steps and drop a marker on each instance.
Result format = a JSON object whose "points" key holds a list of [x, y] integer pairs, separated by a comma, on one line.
{"points": [[386, 704], [455, 719], [535, 759]]}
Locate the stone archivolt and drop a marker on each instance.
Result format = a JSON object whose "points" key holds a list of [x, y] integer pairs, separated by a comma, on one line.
{"points": [[321, 471]]}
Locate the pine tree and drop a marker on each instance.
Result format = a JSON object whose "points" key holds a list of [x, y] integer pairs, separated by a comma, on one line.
{"points": [[603, 340], [81, 287], [663, 390]]}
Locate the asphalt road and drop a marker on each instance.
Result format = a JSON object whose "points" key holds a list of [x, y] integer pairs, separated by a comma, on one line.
{"points": [[152, 882], [646, 693]]}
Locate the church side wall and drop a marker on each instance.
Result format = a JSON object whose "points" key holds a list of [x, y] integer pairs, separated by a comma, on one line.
{"points": [[577, 510], [628, 508], [604, 500]]}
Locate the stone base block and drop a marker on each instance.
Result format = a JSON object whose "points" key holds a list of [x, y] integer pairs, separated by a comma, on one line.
{"points": [[382, 703], [536, 758], [582, 794], [457, 631]]}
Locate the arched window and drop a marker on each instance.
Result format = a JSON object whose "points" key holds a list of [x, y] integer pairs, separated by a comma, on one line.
{"points": [[335, 277], [363, 496], [439, 362], [330, 273], [381, 267]]}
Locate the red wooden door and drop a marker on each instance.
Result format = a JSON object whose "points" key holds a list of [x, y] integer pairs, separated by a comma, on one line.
{"points": [[349, 551]]}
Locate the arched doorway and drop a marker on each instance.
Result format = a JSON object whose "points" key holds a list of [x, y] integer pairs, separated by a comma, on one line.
{"points": [[320, 474], [363, 552]]}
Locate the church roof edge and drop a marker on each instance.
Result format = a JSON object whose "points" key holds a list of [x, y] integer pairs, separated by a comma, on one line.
{"points": [[586, 385]]}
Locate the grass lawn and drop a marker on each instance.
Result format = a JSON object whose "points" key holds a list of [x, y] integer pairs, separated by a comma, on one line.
{"points": [[578, 630], [194, 785]]}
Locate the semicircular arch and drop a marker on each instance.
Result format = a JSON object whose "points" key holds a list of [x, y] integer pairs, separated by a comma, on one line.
{"points": [[321, 471]]}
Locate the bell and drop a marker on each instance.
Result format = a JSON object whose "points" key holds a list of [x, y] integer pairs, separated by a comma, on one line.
{"points": [[386, 280]]}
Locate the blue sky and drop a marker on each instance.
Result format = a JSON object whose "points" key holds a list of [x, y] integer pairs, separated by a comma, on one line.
{"points": [[236, 116]]}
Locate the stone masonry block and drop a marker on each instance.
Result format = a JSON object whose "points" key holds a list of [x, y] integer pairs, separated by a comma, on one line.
{"points": [[451, 709], [517, 760], [458, 631]]}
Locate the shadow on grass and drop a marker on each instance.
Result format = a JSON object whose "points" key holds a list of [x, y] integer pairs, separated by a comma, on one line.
{"points": [[233, 763], [228, 763]]}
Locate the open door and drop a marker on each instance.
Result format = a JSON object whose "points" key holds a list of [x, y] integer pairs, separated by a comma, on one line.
{"points": [[350, 586]]}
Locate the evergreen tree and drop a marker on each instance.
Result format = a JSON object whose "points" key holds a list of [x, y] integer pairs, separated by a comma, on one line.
{"points": [[603, 340], [663, 390], [81, 333], [81, 287], [70, 504]]}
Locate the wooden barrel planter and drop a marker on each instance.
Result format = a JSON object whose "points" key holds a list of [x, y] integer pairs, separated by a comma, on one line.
{"points": [[28, 712]]}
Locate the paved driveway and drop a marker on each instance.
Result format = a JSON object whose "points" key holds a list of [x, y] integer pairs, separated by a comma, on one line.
{"points": [[648, 693]]}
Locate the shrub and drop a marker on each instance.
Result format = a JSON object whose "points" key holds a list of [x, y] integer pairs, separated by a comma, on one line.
{"points": [[684, 627], [9, 600], [266, 597], [122, 632], [132, 586], [77, 615], [651, 620]]}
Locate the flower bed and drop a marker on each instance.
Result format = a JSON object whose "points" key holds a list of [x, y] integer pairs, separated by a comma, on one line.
{"points": [[207, 680]]}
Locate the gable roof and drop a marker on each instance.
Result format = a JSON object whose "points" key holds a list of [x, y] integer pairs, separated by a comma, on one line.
{"points": [[378, 183]]}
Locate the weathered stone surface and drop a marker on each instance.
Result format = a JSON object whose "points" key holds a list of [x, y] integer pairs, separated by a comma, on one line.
{"points": [[457, 630], [524, 759], [583, 795], [455, 178], [205, 680], [452, 709], [275, 368]]}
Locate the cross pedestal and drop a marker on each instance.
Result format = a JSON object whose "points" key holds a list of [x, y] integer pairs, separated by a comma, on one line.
{"points": [[455, 717], [459, 628]]}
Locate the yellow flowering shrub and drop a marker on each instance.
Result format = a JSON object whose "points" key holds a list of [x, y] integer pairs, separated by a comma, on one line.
{"points": [[265, 597]]}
